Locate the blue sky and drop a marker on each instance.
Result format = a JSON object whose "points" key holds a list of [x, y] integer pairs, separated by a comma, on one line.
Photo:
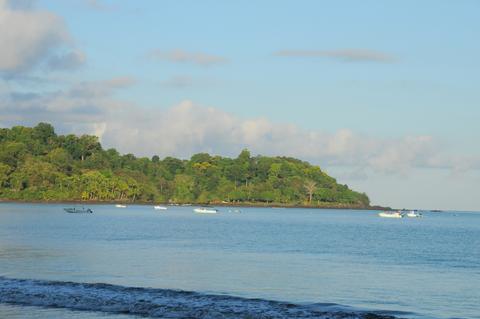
{"points": [[390, 90]]}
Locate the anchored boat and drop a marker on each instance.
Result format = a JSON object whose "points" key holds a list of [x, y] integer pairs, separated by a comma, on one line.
{"points": [[414, 214], [75, 210], [390, 214], [158, 207], [205, 210]]}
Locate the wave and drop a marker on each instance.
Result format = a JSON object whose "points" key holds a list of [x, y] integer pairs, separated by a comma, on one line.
{"points": [[160, 303]]}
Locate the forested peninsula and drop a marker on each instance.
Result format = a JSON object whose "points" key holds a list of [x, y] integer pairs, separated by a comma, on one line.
{"points": [[36, 164]]}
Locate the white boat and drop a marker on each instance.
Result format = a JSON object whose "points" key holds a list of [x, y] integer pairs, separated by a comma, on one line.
{"points": [[390, 214], [205, 210], [158, 207], [414, 214], [121, 206]]}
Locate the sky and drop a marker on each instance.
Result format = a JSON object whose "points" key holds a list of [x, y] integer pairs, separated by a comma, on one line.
{"points": [[384, 96]]}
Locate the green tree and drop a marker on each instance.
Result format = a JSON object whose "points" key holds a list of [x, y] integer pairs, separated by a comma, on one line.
{"points": [[4, 174], [44, 132], [88, 144], [13, 153], [61, 159], [184, 185]]}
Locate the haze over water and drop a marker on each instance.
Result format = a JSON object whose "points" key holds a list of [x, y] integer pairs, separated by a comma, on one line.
{"points": [[426, 268]]}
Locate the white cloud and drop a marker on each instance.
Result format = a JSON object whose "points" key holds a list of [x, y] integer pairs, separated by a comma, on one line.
{"points": [[186, 81], [67, 61], [179, 81], [94, 4], [19, 4], [345, 55], [99, 5], [82, 108], [104, 88], [31, 37], [181, 56]]}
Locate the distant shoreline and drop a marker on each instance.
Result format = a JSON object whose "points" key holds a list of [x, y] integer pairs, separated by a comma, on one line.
{"points": [[253, 205], [58, 168]]}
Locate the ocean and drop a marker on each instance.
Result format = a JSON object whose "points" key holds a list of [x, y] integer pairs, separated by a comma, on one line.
{"points": [[259, 263]]}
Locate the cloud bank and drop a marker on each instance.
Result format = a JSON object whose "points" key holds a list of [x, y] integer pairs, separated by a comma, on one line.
{"points": [[187, 128]]}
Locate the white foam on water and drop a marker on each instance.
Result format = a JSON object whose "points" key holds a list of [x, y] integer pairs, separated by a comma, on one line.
{"points": [[157, 303]]}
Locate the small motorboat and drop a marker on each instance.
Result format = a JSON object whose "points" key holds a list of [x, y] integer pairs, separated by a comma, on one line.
{"points": [[158, 207], [75, 210], [390, 214], [414, 214], [205, 210], [121, 206]]}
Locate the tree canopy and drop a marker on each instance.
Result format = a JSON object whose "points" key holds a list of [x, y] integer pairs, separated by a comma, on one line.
{"points": [[38, 164]]}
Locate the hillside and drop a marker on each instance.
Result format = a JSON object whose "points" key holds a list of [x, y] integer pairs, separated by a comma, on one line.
{"points": [[38, 164]]}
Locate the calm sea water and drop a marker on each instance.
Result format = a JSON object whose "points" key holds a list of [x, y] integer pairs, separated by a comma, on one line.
{"points": [[314, 261]]}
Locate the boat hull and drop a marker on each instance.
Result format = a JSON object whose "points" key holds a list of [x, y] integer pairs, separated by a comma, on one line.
{"points": [[78, 211], [414, 215], [390, 215], [205, 211]]}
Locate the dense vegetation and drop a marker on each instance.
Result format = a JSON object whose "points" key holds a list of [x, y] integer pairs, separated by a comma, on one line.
{"points": [[37, 164]]}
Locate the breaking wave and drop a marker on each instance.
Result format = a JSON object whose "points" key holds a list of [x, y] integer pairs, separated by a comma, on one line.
{"points": [[160, 303]]}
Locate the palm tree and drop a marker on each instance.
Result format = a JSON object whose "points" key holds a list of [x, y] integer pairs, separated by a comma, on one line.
{"points": [[310, 187]]}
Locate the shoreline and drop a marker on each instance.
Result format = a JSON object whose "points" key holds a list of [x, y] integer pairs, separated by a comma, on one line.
{"points": [[252, 205]]}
